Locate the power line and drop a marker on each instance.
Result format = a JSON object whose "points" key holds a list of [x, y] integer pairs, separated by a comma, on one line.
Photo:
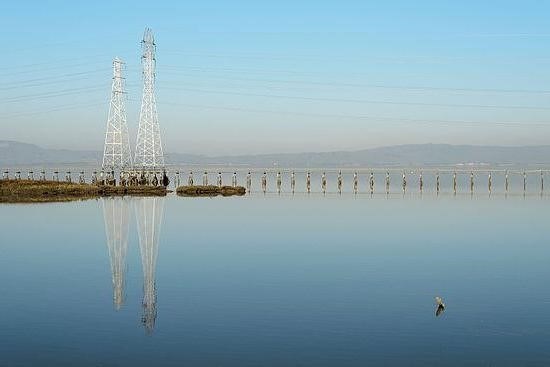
{"points": [[83, 78], [366, 101], [59, 93], [17, 83], [382, 86], [69, 107]]}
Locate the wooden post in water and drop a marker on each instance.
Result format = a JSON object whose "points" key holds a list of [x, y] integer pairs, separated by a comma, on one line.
{"points": [[248, 181], [524, 181], [324, 183], [541, 181], [264, 182], [490, 183], [308, 182], [279, 182], [371, 182], [471, 182], [340, 182], [506, 185], [404, 183], [220, 182], [292, 181], [454, 182], [421, 182], [437, 182], [355, 182], [387, 182]]}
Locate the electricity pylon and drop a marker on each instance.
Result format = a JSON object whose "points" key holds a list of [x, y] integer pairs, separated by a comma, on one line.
{"points": [[149, 213], [149, 154], [116, 213], [116, 154]]}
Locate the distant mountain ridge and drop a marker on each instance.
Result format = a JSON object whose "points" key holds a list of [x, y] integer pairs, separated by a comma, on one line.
{"points": [[14, 153]]}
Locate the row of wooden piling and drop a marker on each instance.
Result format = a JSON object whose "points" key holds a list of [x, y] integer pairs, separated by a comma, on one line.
{"points": [[125, 178], [154, 178], [355, 181]]}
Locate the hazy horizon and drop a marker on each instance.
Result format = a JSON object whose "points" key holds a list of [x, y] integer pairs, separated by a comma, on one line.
{"points": [[295, 152]]}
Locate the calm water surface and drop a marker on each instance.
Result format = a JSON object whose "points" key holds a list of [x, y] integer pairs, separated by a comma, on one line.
{"points": [[276, 281]]}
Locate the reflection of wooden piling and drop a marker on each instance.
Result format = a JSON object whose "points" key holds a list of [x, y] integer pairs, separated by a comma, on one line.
{"points": [[248, 181], [471, 182], [421, 182], [404, 183], [308, 182], [524, 181], [293, 181], [490, 182], [437, 182], [541, 181], [340, 182], [506, 184], [387, 182]]}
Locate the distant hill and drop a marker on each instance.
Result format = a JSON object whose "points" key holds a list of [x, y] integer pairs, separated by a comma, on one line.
{"points": [[15, 153]]}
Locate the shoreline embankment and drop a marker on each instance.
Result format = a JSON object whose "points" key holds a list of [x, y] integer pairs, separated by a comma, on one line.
{"points": [[32, 191]]}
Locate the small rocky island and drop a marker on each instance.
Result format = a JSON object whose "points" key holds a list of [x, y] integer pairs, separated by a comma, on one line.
{"points": [[210, 190], [32, 191]]}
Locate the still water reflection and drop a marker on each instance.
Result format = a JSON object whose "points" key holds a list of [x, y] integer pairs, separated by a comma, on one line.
{"points": [[277, 280], [149, 213]]}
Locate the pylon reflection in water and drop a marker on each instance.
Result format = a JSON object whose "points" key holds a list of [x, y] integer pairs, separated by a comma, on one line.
{"points": [[149, 213], [116, 214]]}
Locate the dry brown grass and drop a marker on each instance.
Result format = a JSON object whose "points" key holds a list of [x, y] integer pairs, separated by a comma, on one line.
{"points": [[210, 191], [26, 191]]}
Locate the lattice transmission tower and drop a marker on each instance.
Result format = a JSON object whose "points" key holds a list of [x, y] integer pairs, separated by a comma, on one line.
{"points": [[116, 154], [149, 155]]}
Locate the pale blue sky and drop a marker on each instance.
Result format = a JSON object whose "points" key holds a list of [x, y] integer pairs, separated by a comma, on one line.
{"points": [[253, 77]]}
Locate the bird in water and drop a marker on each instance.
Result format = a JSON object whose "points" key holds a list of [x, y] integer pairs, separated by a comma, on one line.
{"points": [[440, 306]]}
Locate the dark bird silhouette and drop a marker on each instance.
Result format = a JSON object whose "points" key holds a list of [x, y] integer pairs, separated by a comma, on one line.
{"points": [[440, 306]]}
